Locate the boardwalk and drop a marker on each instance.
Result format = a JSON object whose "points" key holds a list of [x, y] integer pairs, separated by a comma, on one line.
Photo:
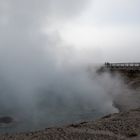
{"points": [[123, 66]]}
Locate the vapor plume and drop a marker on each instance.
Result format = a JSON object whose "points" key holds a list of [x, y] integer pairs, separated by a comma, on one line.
{"points": [[44, 80]]}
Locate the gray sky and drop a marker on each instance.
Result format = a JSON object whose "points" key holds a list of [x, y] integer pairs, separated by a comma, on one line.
{"points": [[109, 29]]}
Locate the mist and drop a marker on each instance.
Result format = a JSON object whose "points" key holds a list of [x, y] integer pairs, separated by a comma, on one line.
{"points": [[44, 79]]}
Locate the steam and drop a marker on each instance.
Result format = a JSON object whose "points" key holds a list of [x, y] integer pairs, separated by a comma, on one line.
{"points": [[43, 80]]}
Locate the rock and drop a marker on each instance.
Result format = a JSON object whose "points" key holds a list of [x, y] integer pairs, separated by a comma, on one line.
{"points": [[6, 120]]}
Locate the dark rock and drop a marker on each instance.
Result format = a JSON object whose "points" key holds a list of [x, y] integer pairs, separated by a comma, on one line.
{"points": [[107, 116], [6, 119], [132, 134]]}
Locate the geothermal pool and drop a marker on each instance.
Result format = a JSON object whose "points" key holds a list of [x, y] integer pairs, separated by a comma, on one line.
{"points": [[28, 121]]}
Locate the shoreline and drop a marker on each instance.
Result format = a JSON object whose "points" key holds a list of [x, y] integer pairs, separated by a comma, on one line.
{"points": [[123, 125]]}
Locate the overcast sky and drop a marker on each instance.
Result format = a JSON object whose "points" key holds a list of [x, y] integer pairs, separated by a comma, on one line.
{"points": [[108, 30]]}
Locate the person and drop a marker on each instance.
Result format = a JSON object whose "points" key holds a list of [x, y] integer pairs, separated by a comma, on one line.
{"points": [[107, 64]]}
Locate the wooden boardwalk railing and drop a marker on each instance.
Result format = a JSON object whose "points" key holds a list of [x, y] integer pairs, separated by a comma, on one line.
{"points": [[123, 66]]}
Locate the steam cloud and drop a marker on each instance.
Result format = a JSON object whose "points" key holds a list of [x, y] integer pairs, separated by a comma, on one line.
{"points": [[41, 78]]}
